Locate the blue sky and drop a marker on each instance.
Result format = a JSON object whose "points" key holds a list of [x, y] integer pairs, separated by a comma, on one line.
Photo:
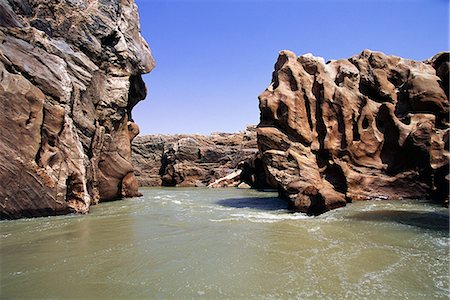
{"points": [[215, 57]]}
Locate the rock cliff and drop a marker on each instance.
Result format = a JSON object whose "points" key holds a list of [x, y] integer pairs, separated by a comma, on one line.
{"points": [[216, 160], [70, 74], [371, 126]]}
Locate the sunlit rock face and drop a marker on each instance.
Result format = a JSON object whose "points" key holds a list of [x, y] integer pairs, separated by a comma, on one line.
{"points": [[371, 126], [190, 160], [70, 74]]}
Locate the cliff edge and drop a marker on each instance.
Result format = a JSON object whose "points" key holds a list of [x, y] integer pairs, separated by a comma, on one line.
{"points": [[70, 74]]}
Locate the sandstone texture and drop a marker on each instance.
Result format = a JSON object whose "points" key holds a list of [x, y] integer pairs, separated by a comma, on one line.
{"points": [[369, 127], [70, 74], [216, 160]]}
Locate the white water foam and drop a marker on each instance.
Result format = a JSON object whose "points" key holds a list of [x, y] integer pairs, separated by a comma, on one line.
{"points": [[263, 217]]}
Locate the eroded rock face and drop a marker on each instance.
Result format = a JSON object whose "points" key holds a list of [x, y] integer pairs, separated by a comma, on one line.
{"points": [[70, 73], [372, 126], [216, 160]]}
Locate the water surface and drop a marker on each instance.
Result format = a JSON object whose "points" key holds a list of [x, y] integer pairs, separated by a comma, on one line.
{"points": [[184, 243]]}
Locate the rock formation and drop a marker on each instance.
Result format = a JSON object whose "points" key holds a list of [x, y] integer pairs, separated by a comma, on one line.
{"points": [[372, 126], [70, 74], [216, 160]]}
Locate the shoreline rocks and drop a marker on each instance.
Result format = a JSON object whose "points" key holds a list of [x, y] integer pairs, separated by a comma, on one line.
{"points": [[216, 160], [371, 126], [70, 74]]}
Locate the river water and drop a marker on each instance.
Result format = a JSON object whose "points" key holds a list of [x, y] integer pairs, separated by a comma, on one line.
{"points": [[184, 243]]}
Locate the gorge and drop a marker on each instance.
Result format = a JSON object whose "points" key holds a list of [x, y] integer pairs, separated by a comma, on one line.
{"points": [[274, 211], [369, 127]]}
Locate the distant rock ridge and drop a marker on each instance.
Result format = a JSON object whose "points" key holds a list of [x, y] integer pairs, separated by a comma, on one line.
{"points": [[369, 127], [70, 74], [194, 160]]}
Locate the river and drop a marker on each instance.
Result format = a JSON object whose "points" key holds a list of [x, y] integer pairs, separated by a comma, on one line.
{"points": [[184, 243]]}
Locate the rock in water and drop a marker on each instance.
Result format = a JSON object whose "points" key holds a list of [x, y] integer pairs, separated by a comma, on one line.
{"points": [[70, 74], [372, 126]]}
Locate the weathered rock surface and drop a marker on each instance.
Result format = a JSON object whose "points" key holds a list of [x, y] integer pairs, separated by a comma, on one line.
{"points": [[372, 126], [70, 74], [216, 160]]}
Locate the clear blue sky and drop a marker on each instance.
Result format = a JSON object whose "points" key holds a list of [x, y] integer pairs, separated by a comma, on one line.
{"points": [[213, 58]]}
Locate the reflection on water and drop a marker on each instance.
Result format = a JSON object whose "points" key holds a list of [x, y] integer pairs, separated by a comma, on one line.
{"points": [[256, 203], [181, 243], [423, 219]]}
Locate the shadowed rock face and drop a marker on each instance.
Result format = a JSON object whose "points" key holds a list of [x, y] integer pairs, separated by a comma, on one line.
{"points": [[70, 73], [219, 159], [372, 126]]}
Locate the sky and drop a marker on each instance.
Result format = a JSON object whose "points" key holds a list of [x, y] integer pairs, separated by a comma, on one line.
{"points": [[213, 58]]}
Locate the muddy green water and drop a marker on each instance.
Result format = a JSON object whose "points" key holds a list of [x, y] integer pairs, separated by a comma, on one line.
{"points": [[228, 243]]}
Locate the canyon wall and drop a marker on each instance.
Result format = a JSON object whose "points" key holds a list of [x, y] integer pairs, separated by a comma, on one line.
{"points": [[369, 127], [70, 74], [216, 160]]}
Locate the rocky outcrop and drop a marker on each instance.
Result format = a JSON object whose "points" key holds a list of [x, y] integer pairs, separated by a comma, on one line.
{"points": [[372, 126], [216, 160], [70, 74]]}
